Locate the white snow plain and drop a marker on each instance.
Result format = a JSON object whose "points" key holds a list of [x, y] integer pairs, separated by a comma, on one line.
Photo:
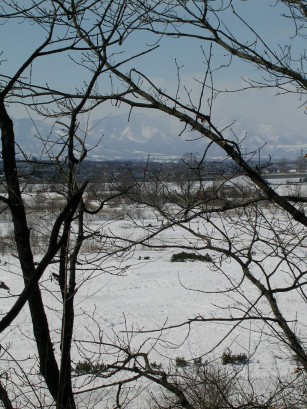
{"points": [[134, 297]]}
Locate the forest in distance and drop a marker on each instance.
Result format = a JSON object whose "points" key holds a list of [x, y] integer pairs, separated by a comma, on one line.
{"points": [[34, 170]]}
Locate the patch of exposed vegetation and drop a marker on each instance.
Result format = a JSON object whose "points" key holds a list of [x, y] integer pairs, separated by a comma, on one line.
{"points": [[86, 367], [184, 256], [229, 358]]}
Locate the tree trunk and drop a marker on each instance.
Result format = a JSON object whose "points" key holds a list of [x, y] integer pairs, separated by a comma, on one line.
{"points": [[48, 365]]}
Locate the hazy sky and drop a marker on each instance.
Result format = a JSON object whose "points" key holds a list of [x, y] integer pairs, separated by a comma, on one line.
{"points": [[17, 40]]}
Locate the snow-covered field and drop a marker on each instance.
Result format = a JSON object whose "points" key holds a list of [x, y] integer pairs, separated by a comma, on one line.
{"points": [[139, 297]]}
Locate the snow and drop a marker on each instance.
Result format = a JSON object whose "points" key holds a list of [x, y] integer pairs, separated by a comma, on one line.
{"points": [[131, 296]]}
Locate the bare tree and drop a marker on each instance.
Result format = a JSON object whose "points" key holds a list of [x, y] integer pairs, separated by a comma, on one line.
{"points": [[60, 26], [209, 22], [268, 244]]}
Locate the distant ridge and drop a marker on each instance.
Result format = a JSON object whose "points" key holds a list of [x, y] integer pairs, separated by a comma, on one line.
{"points": [[160, 137]]}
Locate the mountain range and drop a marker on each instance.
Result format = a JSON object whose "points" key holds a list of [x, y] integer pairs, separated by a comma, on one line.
{"points": [[161, 138]]}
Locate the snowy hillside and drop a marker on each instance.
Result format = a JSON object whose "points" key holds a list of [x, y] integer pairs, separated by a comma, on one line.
{"points": [[163, 137]]}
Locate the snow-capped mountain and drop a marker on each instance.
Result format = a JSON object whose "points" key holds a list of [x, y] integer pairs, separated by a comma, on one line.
{"points": [[161, 137], [272, 139]]}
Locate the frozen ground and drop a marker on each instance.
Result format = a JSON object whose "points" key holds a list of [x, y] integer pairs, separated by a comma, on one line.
{"points": [[126, 297]]}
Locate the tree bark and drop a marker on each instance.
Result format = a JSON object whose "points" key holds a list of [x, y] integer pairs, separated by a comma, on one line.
{"points": [[48, 365]]}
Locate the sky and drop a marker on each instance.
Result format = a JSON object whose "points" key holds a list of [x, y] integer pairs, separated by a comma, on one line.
{"points": [[18, 40]]}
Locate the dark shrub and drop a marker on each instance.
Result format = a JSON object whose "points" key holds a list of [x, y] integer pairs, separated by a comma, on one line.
{"points": [[184, 256], [229, 358]]}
